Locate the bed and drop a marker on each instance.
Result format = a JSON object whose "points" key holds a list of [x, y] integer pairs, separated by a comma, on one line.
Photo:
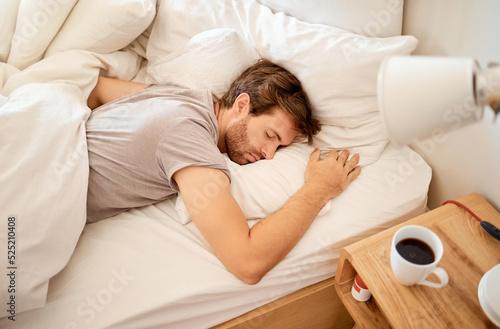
{"points": [[149, 267]]}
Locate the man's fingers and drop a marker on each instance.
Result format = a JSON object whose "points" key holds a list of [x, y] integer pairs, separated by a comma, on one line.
{"points": [[343, 157], [315, 155], [353, 174], [332, 154], [352, 163]]}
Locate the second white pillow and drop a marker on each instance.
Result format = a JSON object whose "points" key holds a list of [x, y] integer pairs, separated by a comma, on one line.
{"points": [[210, 60]]}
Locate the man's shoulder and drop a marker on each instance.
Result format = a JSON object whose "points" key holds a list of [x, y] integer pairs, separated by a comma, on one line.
{"points": [[204, 96]]}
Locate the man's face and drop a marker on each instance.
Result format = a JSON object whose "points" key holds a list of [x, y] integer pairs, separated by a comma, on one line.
{"points": [[253, 138]]}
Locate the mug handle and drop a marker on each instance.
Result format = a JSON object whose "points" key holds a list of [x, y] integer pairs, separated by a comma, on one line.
{"points": [[441, 274]]}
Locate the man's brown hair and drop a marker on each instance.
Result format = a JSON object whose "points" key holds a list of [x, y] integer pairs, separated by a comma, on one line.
{"points": [[270, 85]]}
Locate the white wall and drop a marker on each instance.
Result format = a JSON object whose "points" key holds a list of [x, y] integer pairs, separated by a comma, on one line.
{"points": [[466, 160]]}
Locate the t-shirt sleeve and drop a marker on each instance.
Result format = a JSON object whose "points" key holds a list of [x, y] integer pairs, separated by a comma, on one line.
{"points": [[189, 143]]}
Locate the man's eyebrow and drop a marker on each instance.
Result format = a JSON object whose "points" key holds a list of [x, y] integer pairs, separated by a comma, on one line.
{"points": [[276, 133]]}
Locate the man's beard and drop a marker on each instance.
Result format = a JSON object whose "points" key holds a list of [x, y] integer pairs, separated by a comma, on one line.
{"points": [[237, 142]]}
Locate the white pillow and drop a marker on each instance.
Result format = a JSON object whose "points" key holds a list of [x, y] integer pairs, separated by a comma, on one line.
{"points": [[210, 60], [339, 138], [338, 69], [103, 26], [261, 188], [37, 24], [8, 17], [43, 186], [373, 18]]}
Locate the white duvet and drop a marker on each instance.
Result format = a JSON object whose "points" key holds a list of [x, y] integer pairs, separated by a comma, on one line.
{"points": [[43, 179]]}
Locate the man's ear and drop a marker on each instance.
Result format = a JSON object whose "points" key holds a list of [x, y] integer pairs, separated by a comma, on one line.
{"points": [[242, 104]]}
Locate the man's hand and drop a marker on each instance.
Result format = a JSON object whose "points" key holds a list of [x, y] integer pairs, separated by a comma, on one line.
{"points": [[331, 175]]}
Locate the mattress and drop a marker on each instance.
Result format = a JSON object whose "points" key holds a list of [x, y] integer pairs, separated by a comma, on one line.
{"points": [[146, 269]]}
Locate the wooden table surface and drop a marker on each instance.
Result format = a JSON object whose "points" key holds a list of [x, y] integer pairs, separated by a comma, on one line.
{"points": [[469, 252]]}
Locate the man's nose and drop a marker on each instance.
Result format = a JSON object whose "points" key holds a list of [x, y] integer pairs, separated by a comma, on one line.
{"points": [[269, 150]]}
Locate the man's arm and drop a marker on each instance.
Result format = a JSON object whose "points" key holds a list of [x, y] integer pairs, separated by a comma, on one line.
{"points": [[108, 89], [250, 253]]}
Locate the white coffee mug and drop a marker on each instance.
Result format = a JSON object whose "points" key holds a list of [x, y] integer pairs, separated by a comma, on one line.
{"points": [[413, 268]]}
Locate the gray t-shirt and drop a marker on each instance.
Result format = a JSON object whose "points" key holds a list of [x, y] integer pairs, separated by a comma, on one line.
{"points": [[137, 142]]}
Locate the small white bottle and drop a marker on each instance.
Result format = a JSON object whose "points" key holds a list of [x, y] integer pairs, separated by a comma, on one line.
{"points": [[359, 290]]}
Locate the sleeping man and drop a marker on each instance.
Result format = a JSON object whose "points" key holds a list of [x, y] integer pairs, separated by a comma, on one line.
{"points": [[147, 143]]}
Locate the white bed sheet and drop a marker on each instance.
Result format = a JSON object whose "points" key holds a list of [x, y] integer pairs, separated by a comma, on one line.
{"points": [[144, 269]]}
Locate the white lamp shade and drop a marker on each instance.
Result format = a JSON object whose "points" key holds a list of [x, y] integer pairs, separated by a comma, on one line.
{"points": [[420, 96]]}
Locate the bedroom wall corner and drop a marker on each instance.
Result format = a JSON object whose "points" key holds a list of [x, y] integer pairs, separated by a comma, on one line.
{"points": [[466, 160]]}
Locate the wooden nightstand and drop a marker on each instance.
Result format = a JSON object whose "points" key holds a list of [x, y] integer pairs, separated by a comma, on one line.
{"points": [[469, 252]]}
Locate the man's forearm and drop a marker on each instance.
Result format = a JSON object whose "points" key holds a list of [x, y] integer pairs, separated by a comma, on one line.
{"points": [[248, 253], [273, 237], [108, 89]]}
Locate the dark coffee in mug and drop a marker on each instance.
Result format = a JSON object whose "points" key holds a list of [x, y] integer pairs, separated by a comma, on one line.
{"points": [[415, 251]]}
